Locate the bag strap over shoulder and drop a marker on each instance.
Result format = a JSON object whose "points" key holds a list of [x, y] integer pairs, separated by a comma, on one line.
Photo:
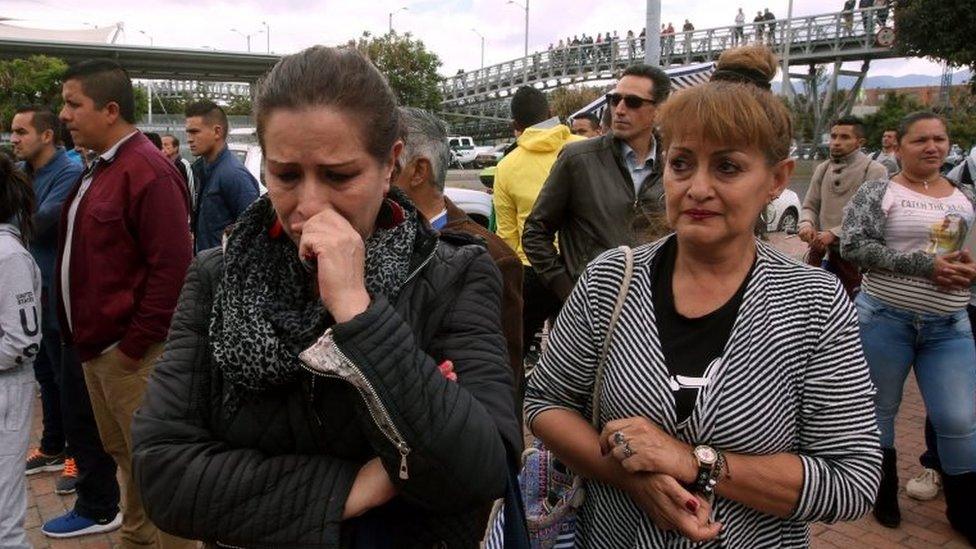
{"points": [[618, 306]]}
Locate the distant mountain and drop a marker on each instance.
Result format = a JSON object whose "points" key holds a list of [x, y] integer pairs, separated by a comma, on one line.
{"points": [[907, 81]]}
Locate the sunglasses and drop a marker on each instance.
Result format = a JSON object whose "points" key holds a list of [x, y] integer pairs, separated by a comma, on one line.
{"points": [[632, 101]]}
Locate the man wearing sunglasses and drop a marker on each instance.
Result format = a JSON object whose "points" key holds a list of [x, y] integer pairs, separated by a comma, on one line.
{"points": [[605, 191]]}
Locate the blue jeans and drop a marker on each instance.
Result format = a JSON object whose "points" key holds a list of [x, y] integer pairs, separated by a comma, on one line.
{"points": [[942, 350]]}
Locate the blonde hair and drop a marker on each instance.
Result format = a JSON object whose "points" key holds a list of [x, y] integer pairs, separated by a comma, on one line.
{"points": [[736, 106]]}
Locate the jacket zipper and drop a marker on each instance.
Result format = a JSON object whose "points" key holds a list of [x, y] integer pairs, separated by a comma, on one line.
{"points": [[421, 266], [377, 410]]}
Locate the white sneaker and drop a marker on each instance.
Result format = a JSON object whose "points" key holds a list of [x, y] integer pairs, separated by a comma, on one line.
{"points": [[925, 485]]}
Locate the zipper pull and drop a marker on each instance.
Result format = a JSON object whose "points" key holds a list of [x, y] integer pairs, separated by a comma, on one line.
{"points": [[404, 471]]}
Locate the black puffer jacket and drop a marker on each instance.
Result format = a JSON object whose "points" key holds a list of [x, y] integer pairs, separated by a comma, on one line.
{"points": [[277, 472]]}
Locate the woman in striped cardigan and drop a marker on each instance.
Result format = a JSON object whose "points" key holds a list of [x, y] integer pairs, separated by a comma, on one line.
{"points": [[736, 405]]}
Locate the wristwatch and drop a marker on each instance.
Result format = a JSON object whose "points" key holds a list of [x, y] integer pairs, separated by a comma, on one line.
{"points": [[710, 465]]}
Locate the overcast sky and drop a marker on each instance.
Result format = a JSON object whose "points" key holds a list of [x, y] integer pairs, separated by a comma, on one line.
{"points": [[444, 25]]}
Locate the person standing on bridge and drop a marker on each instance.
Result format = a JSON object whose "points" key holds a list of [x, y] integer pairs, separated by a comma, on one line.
{"points": [[771, 24], [688, 28], [867, 15], [124, 247], [833, 184], [738, 35], [848, 16], [225, 187], [758, 24], [602, 192], [518, 179]]}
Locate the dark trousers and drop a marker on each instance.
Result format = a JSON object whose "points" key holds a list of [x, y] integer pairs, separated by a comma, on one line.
{"points": [[47, 372], [847, 272], [539, 304], [930, 458], [98, 489]]}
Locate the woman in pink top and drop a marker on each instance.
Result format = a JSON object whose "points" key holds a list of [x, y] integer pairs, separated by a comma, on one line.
{"points": [[906, 234]]}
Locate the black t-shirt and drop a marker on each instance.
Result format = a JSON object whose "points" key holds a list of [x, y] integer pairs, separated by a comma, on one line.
{"points": [[692, 347]]}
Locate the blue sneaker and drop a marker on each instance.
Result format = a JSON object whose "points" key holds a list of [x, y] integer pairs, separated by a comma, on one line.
{"points": [[71, 524]]}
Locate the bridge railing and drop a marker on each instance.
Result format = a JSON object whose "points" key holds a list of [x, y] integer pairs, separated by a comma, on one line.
{"points": [[832, 32], [192, 87]]}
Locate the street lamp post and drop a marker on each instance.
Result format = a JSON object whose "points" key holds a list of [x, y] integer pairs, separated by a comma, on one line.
{"points": [[652, 34], [787, 82], [482, 47], [394, 12], [267, 35], [526, 61], [247, 37], [149, 82]]}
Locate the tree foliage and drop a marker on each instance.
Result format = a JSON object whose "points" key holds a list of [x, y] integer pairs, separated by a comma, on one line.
{"points": [[408, 66], [961, 118], [239, 105], [36, 79], [938, 29], [566, 101], [893, 108]]}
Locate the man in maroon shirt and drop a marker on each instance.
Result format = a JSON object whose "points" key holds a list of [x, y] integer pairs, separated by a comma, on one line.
{"points": [[124, 248]]}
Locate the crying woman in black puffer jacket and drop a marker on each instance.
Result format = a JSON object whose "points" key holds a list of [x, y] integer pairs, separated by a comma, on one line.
{"points": [[337, 375]]}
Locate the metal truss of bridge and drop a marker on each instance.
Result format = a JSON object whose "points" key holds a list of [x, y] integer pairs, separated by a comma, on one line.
{"points": [[861, 35], [151, 62], [196, 89]]}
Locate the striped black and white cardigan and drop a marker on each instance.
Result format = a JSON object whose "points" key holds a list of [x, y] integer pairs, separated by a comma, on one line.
{"points": [[792, 379]]}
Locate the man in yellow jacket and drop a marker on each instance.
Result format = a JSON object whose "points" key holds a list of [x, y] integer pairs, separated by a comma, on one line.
{"points": [[518, 180]]}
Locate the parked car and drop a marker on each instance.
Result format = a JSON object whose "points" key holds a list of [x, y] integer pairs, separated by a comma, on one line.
{"points": [[491, 157], [462, 147], [784, 213], [464, 151], [250, 155], [476, 204]]}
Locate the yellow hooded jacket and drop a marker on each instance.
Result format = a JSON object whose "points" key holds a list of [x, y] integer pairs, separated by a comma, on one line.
{"points": [[519, 178]]}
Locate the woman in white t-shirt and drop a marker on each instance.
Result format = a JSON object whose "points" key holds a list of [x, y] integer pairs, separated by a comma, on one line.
{"points": [[906, 234]]}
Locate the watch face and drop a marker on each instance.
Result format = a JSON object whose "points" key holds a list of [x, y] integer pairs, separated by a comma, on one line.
{"points": [[706, 455]]}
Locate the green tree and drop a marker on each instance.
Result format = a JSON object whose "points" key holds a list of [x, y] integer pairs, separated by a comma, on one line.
{"points": [[566, 101], [239, 105], [141, 97], [937, 29], [408, 66], [962, 120], [36, 79], [893, 108]]}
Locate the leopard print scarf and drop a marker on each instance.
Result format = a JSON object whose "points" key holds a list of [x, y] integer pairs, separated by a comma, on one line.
{"points": [[267, 308]]}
